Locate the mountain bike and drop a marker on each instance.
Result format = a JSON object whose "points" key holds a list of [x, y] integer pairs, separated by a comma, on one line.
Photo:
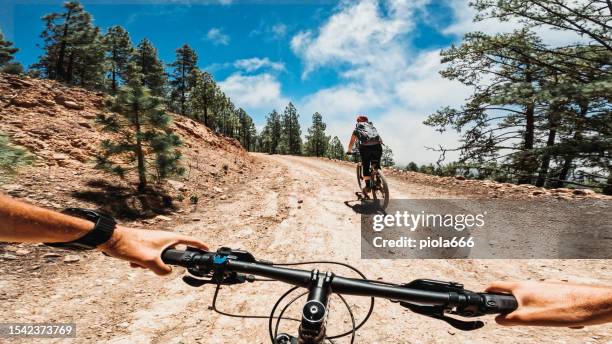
{"points": [[380, 191], [431, 298]]}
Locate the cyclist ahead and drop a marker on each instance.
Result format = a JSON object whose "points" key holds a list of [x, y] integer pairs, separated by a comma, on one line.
{"points": [[370, 147]]}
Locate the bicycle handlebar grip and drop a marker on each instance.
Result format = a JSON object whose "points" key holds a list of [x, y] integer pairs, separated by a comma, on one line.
{"points": [[495, 303], [174, 257]]}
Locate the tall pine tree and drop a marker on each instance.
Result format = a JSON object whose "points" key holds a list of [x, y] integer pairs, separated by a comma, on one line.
{"points": [[118, 48], [201, 97], [72, 47], [316, 140], [144, 136], [290, 139], [182, 80], [149, 68]]}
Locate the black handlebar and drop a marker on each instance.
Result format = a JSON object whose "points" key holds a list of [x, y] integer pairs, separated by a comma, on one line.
{"points": [[428, 297]]}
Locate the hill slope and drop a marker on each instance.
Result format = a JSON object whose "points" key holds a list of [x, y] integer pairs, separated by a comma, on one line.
{"points": [[56, 124]]}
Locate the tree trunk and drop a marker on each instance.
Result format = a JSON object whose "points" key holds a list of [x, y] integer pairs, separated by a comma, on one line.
{"points": [[552, 134], [607, 190], [68, 76], [114, 86], [526, 165], [569, 158], [59, 66], [142, 176]]}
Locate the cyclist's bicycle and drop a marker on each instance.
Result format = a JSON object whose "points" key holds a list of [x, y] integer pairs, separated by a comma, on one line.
{"points": [[380, 191], [432, 298]]}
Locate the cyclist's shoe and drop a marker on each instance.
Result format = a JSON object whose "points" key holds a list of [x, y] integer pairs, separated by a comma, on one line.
{"points": [[366, 190]]}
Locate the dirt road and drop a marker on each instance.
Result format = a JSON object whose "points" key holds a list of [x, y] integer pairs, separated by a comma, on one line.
{"points": [[293, 209]]}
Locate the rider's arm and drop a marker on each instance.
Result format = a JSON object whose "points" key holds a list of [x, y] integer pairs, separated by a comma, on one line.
{"points": [[22, 222], [351, 143], [556, 303]]}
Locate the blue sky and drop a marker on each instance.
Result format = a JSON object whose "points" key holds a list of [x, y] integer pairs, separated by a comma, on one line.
{"points": [[340, 58]]}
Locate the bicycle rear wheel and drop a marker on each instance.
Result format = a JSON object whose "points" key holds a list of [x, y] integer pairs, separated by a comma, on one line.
{"points": [[380, 193]]}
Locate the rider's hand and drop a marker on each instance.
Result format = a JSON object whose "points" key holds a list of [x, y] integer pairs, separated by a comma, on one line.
{"points": [[143, 248], [555, 303]]}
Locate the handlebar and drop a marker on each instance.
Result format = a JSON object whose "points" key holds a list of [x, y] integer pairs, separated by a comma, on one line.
{"points": [[427, 297]]}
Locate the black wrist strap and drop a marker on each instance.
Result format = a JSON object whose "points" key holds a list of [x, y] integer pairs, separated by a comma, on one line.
{"points": [[101, 233]]}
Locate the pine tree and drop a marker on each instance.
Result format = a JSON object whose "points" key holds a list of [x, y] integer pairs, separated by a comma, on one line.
{"points": [[118, 49], [145, 138], [12, 158], [412, 166], [336, 149], [290, 139], [182, 77], [72, 47], [201, 98], [387, 157], [316, 140], [7, 51], [149, 68]]}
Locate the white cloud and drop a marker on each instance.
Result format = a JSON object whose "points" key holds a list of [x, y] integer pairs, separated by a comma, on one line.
{"points": [[279, 30], [255, 63], [357, 35], [255, 93], [217, 36]]}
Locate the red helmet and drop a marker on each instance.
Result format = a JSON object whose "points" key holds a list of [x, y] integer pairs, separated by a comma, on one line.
{"points": [[362, 118]]}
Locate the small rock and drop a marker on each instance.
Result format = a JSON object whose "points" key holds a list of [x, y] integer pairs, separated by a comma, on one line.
{"points": [[223, 197], [537, 192], [163, 218], [24, 103], [88, 115], [51, 255], [217, 189], [73, 105], [7, 256], [71, 258], [46, 102], [583, 192], [85, 124], [460, 177], [59, 157], [300, 201], [175, 184], [22, 252], [196, 219]]}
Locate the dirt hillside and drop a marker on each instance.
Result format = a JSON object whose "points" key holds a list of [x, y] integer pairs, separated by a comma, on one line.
{"points": [[57, 125]]}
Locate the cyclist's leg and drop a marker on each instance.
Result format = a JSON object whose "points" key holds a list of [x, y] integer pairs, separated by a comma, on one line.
{"points": [[376, 154], [366, 160]]}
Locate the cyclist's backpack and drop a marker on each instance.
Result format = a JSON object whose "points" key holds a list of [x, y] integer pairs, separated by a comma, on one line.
{"points": [[367, 134]]}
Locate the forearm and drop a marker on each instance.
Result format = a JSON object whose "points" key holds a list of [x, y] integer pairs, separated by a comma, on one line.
{"points": [[351, 142], [597, 309], [22, 222]]}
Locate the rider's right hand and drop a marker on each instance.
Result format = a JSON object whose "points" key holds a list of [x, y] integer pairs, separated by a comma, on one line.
{"points": [[555, 303], [143, 248]]}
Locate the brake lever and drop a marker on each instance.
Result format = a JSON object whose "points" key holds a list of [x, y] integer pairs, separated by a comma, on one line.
{"points": [[437, 312], [228, 280]]}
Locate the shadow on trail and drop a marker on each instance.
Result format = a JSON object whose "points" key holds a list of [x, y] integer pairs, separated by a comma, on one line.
{"points": [[364, 206], [126, 203]]}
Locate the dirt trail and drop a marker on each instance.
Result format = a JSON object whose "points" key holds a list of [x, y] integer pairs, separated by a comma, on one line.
{"points": [[293, 209]]}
